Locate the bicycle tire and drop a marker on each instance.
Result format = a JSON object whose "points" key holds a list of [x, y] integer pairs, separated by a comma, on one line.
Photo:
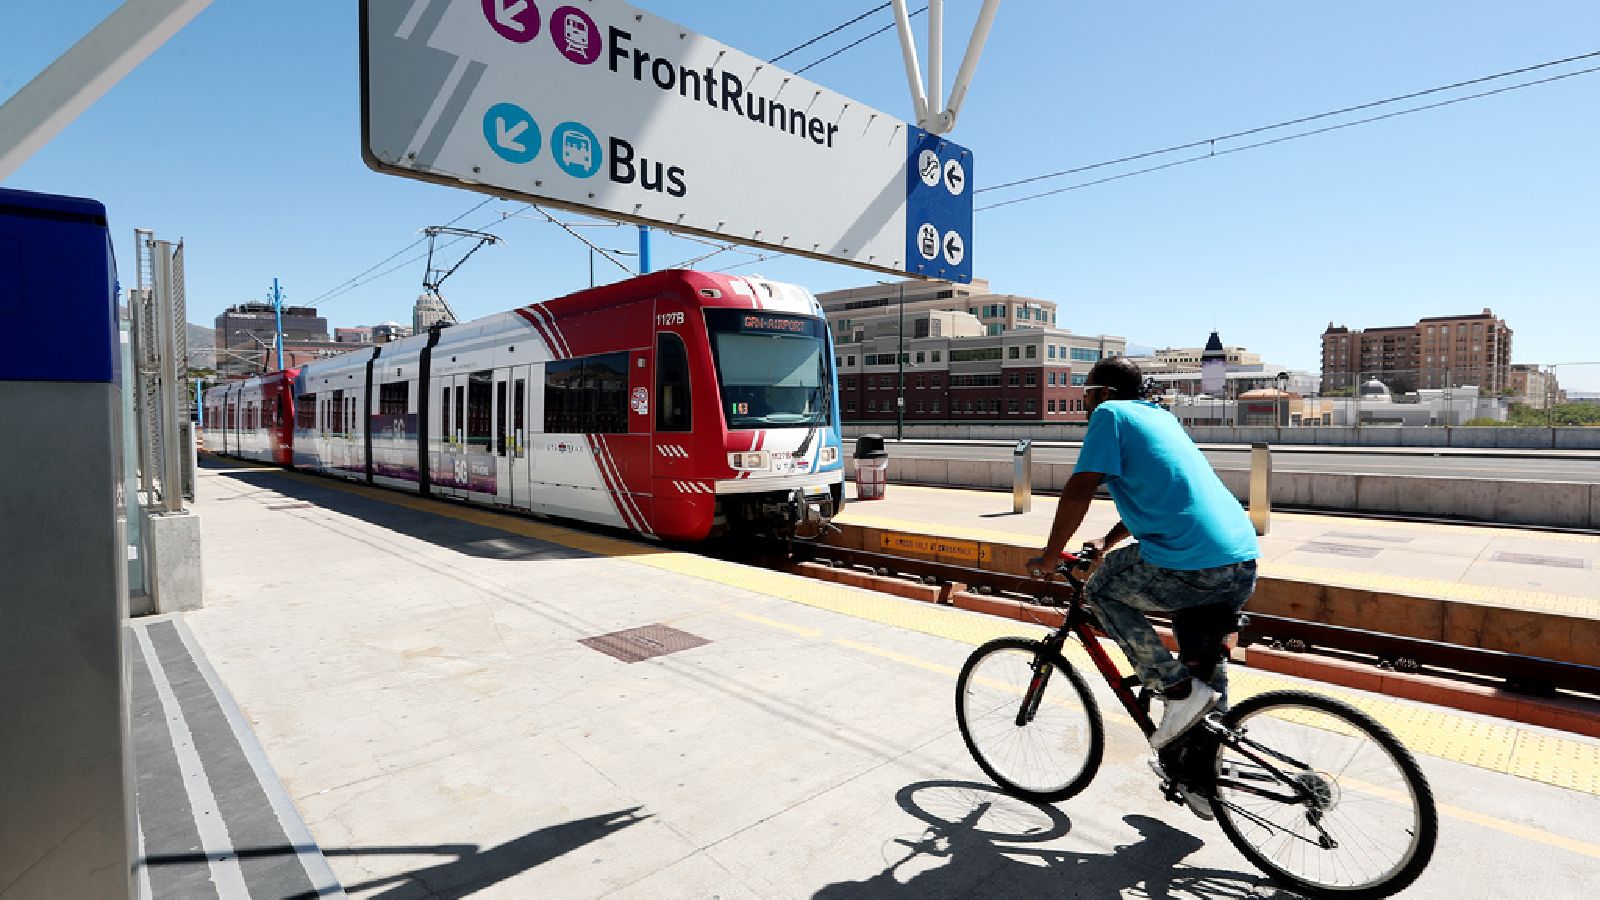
{"points": [[1346, 795], [989, 692]]}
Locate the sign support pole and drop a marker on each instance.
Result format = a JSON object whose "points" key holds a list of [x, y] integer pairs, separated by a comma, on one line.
{"points": [[644, 249]]}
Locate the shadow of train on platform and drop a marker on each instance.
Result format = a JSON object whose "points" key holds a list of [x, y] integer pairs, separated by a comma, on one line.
{"points": [[304, 491]]}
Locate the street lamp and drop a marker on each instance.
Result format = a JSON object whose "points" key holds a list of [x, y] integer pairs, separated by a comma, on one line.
{"points": [[1282, 416]]}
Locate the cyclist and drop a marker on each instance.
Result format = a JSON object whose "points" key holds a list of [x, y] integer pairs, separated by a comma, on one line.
{"points": [[1196, 550]]}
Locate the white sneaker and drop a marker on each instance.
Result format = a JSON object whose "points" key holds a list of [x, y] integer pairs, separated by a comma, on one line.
{"points": [[1197, 804], [1180, 715]]}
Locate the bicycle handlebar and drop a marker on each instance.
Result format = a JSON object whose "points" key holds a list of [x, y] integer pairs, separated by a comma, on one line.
{"points": [[1071, 561]]}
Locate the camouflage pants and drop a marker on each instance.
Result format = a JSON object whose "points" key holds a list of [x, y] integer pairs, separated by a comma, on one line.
{"points": [[1204, 605]]}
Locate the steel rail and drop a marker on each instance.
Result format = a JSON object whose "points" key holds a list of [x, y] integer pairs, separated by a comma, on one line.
{"points": [[1525, 674]]}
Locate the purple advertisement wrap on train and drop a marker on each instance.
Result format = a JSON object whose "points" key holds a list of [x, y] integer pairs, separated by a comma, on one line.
{"points": [[468, 471]]}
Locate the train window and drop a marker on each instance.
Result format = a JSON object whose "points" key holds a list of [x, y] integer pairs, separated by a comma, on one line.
{"points": [[461, 413], [393, 398], [336, 415], [444, 417], [305, 412], [479, 388], [500, 418], [605, 377], [587, 396], [672, 384], [520, 401], [563, 396]]}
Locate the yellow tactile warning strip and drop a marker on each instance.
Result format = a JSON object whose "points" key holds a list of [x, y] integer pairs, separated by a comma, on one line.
{"points": [[1378, 581], [1475, 741]]}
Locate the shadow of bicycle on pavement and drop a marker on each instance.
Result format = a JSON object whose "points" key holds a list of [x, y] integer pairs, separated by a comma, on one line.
{"points": [[979, 842]]}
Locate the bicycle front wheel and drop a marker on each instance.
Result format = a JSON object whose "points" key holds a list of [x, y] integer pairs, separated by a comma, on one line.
{"points": [[1028, 719], [1322, 797]]}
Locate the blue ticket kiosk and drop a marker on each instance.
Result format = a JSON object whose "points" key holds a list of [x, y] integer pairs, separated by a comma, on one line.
{"points": [[67, 825]]}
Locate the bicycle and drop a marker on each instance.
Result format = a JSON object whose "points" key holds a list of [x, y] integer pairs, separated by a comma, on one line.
{"points": [[1315, 793]]}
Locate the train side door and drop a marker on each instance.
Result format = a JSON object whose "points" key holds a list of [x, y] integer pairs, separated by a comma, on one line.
{"points": [[510, 435], [450, 472], [523, 410]]}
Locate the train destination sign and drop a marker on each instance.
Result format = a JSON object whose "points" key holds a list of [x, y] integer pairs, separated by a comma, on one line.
{"points": [[600, 107]]}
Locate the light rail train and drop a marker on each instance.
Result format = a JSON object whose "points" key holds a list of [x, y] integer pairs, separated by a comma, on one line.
{"points": [[681, 405]]}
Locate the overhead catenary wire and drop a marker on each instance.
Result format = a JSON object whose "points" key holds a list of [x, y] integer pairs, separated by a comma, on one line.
{"points": [[1213, 153], [830, 32], [854, 44], [1212, 141], [348, 287], [336, 289]]}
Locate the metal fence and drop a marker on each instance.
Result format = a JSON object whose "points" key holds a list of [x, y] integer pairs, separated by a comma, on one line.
{"points": [[160, 382]]}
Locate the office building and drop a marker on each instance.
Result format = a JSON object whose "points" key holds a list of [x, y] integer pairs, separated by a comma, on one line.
{"points": [[848, 309], [1533, 387], [955, 371], [242, 331], [428, 310]]}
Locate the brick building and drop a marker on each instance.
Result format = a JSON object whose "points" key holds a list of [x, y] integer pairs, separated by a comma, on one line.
{"points": [[957, 372], [1436, 352]]}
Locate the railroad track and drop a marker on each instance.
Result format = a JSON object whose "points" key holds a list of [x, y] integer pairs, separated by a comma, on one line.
{"points": [[1041, 601]]}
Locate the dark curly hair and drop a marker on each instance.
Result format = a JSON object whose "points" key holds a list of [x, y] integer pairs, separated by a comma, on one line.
{"points": [[1122, 375]]}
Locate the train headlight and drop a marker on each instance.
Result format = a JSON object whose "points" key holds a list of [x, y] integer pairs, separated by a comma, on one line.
{"points": [[752, 461], [828, 456]]}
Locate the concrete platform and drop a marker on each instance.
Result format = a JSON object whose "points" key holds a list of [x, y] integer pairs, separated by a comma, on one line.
{"points": [[416, 674], [1512, 589]]}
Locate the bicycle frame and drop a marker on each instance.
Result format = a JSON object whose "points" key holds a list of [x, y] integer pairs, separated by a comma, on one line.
{"points": [[1078, 621]]}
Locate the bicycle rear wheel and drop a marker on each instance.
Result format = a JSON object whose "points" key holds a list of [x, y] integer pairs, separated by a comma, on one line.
{"points": [[1365, 823], [1029, 720]]}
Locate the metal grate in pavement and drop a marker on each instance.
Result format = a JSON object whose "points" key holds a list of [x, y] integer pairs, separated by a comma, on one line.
{"points": [[1363, 536], [1533, 559], [648, 642], [1331, 549], [281, 506]]}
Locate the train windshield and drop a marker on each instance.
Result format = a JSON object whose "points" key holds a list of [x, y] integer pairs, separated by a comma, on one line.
{"points": [[773, 369]]}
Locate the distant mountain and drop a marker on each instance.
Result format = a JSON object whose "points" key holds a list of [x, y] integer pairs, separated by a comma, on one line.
{"points": [[202, 346], [1141, 350]]}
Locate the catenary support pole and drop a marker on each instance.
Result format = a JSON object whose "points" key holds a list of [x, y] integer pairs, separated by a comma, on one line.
{"points": [[277, 309]]}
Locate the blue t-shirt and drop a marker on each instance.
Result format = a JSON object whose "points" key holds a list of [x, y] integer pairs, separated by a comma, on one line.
{"points": [[1168, 495]]}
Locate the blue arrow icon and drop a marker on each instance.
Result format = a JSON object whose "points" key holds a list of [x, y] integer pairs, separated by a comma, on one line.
{"points": [[511, 132]]}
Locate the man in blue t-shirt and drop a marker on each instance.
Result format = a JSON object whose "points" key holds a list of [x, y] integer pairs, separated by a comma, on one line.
{"points": [[1196, 553]]}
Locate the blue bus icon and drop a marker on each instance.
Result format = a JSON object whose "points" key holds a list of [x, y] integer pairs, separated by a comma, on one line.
{"points": [[576, 149]]}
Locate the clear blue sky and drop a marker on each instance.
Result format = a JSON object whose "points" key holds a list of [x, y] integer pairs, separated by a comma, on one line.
{"points": [[241, 134]]}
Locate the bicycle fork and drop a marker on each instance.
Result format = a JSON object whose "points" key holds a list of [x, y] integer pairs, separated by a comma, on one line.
{"points": [[1035, 694]]}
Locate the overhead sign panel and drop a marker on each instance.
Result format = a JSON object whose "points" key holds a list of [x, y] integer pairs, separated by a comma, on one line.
{"points": [[600, 107]]}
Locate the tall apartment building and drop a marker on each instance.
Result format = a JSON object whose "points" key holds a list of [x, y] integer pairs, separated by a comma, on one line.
{"points": [[243, 330], [1436, 352], [954, 370], [997, 313]]}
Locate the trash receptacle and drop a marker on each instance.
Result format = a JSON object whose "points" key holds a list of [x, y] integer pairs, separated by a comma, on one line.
{"points": [[872, 467]]}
